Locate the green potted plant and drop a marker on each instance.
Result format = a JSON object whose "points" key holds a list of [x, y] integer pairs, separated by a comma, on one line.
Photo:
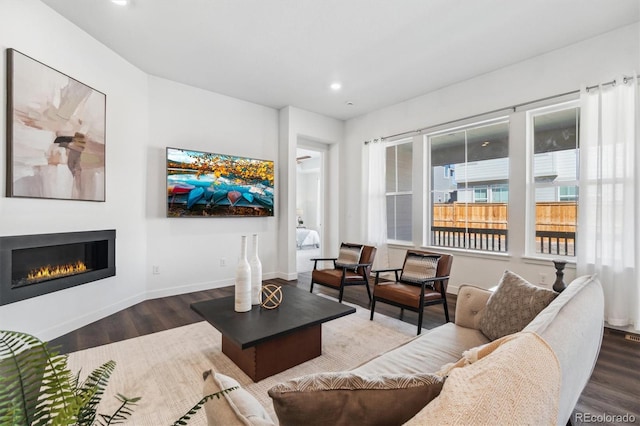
{"points": [[37, 387]]}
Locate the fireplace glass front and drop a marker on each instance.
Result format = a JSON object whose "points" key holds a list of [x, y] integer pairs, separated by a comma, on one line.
{"points": [[39, 264], [33, 265]]}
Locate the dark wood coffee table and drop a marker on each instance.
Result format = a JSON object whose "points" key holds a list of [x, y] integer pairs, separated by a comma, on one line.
{"points": [[264, 342]]}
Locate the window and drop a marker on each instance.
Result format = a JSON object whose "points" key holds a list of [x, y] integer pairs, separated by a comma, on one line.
{"points": [[480, 195], [553, 145], [499, 193], [568, 193], [399, 176], [469, 203]]}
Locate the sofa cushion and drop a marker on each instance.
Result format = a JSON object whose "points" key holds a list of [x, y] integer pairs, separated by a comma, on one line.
{"points": [[349, 254], [427, 352], [515, 380], [573, 324], [474, 354], [513, 305], [345, 398], [333, 277], [470, 305], [548, 315], [237, 407]]}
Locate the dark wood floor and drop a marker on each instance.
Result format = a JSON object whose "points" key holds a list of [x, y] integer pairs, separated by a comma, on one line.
{"points": [[614, 388]]}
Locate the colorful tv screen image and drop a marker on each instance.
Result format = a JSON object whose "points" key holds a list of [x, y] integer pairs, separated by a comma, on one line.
{"points": [[203, 184]]}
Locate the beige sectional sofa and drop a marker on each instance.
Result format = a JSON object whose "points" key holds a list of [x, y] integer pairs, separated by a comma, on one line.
{"points": [[533, 376]]}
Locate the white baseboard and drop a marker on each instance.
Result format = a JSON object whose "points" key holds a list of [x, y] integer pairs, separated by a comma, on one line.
{"points": [[287, 276], [190, 288], [68, 326]]}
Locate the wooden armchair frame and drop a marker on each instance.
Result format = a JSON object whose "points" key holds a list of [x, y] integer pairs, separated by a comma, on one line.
{"points": [[432, 291], [343, 276]]}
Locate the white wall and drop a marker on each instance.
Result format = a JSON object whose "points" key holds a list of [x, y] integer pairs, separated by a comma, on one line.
{"points": [[35, 30], [298, 124], [589, 62], [188, 250], [144, 115]]}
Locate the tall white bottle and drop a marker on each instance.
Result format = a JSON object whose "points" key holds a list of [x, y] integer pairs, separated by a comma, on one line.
{"points": [[243, 280], [256, 273]]}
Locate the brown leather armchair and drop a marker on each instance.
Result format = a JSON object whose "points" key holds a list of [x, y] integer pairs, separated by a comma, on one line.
{"points": [[422, 281], [343, 275]]}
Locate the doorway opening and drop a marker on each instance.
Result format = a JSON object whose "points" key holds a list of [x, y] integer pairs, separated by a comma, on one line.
{"points": [[309, 204]]}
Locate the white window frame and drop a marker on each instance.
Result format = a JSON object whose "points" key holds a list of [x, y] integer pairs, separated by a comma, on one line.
{"points": [[484, 200], [396, 193], [531, 185], [428, 198]]}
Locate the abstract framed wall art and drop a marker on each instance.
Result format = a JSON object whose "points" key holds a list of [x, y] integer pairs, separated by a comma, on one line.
{"points": [[55, 133], [204, 184]]}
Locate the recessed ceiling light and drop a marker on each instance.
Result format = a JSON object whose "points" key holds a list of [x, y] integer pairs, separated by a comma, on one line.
{"points": [[120, 2], [349, 103], [336, 86]]}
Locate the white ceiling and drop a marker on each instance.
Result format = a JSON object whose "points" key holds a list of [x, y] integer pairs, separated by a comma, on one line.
{"points": [[287, 52]]}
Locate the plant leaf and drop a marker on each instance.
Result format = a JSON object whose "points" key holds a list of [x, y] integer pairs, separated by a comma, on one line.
{"points": [[122, 413], [91, 391], [183, 420], [29, 369]]}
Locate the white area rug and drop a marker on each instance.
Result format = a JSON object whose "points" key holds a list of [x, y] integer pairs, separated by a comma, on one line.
{"points": [[165, 368]]}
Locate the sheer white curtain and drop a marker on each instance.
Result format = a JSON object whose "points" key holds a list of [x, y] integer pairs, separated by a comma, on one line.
{"points": [[609, 208], [374, 200]]}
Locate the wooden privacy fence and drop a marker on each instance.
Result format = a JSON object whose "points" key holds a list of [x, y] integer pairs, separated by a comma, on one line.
{"points": [[483, 226]]}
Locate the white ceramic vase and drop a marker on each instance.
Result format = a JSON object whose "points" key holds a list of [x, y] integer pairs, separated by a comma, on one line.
{"points": [[243, 280], [256, 273]]}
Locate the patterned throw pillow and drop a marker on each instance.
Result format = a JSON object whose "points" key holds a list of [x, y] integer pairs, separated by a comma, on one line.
{"points": [[349, 255], [513, 305], [346, 398], [417, 267]]}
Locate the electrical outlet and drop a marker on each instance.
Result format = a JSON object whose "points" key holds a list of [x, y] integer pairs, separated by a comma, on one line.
{"points": [[223, 262], [544, 278], [156, 269]]}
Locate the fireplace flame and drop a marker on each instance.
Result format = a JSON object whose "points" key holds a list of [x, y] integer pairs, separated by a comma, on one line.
{"points": [[50, 272]]}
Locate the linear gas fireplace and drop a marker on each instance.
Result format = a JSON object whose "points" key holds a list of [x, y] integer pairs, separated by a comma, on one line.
{"points": [[33, 265]]}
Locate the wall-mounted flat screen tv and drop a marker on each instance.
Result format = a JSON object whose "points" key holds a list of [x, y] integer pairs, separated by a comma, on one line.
{"points": [[204, 184]]}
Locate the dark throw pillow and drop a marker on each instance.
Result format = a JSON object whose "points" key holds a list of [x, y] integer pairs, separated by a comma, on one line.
{"points": [[346, 398]]}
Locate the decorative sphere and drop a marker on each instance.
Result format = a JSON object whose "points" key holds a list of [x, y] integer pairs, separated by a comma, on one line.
{"points": [[271, 296]]}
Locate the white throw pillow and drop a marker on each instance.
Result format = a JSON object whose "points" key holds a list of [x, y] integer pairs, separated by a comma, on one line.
{"points": [[516, 380], [237, 407]]}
